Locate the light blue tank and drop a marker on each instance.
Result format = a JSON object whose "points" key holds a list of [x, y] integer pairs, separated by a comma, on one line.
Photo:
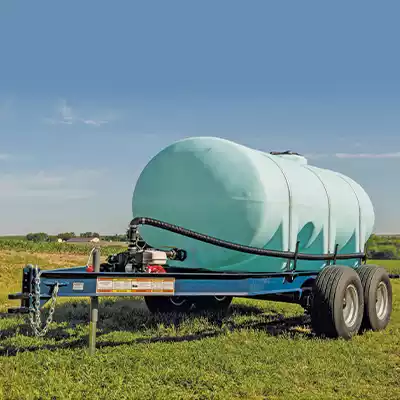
{"points": [[226, 190]]}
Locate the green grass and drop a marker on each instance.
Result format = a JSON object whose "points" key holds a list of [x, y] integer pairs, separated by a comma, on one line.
{"points": [[263, 350], [54, 247], [392, 266]]}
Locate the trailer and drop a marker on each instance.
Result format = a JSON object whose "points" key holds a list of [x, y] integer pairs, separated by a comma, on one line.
{"points": [[342, 301]]}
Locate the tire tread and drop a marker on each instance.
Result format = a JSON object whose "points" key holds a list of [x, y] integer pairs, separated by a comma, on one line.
{"points": [[324, 317], [367, 274]]}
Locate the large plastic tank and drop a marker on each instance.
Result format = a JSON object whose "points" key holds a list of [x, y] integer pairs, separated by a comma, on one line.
{"points": [[226, 190]]}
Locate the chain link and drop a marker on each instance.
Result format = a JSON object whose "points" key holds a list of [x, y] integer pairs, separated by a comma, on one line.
{"points": [[34, 312]]}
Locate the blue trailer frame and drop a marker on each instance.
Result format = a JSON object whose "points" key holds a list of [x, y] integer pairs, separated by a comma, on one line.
{"points": [[77, 282]]}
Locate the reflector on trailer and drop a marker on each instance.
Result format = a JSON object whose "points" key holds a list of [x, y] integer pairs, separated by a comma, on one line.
{"points": [[157, 269], [89, 268]]}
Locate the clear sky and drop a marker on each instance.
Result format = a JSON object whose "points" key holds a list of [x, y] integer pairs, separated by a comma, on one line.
{"points": [[91, 90]]}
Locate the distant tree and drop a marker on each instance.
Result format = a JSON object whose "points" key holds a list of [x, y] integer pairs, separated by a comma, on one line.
{"points": [[115, 238], [386, 252], [89, 235], [37, 237], [86, 234], [66, 235]]}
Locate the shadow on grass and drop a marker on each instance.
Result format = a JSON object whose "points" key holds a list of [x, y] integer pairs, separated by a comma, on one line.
{"points": [[131, 315]]}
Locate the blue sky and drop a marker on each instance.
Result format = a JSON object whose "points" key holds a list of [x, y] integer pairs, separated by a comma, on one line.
{"points": [[90, 91]]}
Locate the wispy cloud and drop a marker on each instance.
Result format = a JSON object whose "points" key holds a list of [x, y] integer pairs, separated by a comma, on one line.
{"points": [[95, 122], [64, 114], [368, 155], [76, 184], [5, 156], [316, 156]]}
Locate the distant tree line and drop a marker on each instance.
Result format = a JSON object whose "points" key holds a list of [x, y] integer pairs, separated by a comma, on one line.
{"points": [[381, 247], [44, 237], [38, 237]]}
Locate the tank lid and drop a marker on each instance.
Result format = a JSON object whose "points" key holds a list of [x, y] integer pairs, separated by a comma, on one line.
{"points": [[290, 155], [287, 152]]}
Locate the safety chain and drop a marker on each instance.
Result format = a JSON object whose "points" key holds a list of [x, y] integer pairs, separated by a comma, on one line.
{"points": [[34, 312]]}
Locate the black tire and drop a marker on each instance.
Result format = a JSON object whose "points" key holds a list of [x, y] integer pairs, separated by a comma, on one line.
{"points": [[216, 304], [168, 304], [338, 303], [377, 297]]}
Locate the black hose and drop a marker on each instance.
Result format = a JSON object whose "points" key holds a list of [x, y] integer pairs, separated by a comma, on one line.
{"points": [[238, 247]]}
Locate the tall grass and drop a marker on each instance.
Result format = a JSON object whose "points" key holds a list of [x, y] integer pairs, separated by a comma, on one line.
{"points": [[54, 247]]}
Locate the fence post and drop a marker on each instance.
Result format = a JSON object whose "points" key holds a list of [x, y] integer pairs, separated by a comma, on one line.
{"points": [[94, 306]]}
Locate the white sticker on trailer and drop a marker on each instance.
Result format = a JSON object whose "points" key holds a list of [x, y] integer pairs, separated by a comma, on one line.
{"points": [[104, 285], [122, 285], [139, 286], [144, 285], [77, 286]]}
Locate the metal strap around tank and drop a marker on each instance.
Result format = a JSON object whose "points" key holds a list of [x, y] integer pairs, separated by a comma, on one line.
{"points": [[359, 209], [290, 199], [329, 204]]}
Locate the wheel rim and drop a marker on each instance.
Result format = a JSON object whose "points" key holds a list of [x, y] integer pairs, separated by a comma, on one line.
{"points": [[350, 305], [382, 300], [177, 301], [220, 298]]}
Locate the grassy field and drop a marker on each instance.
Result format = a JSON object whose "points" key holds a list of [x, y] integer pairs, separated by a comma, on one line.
{"points": [[263, 350], [55, 247]]}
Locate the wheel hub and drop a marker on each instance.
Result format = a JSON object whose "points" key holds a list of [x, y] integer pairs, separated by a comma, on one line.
{"points": [[382, 300], [350, 305]]}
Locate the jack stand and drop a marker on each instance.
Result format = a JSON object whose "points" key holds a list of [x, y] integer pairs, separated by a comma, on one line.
{"points": [[94, 307]]}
